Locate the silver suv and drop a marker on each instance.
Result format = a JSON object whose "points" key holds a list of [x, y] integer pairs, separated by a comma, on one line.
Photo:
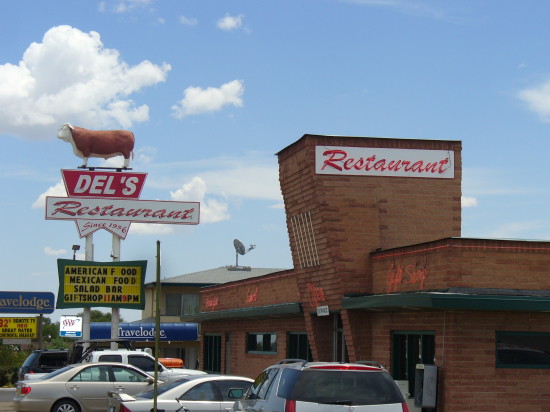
{"points": [[299, 386]]}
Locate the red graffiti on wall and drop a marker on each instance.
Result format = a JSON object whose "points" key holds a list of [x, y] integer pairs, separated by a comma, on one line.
{"points": [[405, 275], [316, 295], [251, 297], [212, 302]]}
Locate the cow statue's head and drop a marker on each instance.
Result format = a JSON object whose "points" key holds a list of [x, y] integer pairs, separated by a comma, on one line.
{"points": [[64, 132]]}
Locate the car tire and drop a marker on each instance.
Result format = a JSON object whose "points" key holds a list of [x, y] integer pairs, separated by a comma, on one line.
{"points": [[66, 405]]}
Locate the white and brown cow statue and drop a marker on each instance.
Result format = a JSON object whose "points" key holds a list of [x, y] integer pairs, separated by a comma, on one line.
{"points": [[98, 143]]}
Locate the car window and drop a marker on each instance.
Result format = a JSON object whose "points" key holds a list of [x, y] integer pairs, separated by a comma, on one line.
{"points": [[205, 391], [30, 359], [142, 362], [268, 384], [286, 384], [128, 375], [92, 374], [345, 387], [225, 385], [150, 393], [262, 384], [109, 358], [53, 359]]}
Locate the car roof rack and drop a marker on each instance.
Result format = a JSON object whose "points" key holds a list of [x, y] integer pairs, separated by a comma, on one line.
{"points": [[370, 363], [79, 353], [285, 361]]}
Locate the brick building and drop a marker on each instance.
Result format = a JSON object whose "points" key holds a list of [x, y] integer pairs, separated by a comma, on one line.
{"points": [[381, 273]]}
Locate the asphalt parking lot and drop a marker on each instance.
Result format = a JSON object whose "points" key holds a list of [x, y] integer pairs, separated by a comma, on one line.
{"points": [[6, 396]]}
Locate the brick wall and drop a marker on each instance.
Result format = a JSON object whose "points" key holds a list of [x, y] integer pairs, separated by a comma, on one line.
{"points": [[467, 263], [339, 220], [249, 364], [465, 354], [279, 287]]}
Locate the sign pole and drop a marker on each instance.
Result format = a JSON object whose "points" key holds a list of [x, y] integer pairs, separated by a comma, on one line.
{"points": [[115, 312], [86, 318]]}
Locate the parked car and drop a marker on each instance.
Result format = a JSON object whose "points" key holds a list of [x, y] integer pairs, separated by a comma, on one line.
{"points": [[141, 360], [207, 393], [79, 388], [137, 358], [43, 361], [301, 386]]}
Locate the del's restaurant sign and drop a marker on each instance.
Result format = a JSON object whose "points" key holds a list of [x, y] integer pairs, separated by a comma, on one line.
{"points": [[104, 284], [367, 161]]}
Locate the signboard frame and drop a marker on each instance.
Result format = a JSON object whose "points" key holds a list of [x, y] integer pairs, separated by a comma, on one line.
{"points": [[27, 302], [95, 284]]}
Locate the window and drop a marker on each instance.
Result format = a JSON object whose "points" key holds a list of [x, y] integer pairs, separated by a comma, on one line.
{"points": [[110, 358], [141, 362], [523, 350], [410, 349], [92, 374], [212, 353], [226, 385], [128, 375], [262, 384], [202, 392], [181, 304], [298, 346], [261, 342]]}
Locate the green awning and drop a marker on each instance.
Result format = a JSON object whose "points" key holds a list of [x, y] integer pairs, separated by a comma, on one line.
{"points": [[438, 300], [256, 311]]}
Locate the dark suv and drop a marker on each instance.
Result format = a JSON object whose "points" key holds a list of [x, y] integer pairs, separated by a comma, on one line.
{"points": [[43, 361], [300, 386]]}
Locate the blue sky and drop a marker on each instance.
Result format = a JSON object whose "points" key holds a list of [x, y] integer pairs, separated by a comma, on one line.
{"points": [[213, 89]]}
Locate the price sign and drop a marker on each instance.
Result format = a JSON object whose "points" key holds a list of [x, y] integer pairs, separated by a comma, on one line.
{"points": [[17, 328]]}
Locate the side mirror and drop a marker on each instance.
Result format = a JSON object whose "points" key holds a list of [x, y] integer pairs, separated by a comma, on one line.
{"points": [[150, 380], [235, 393]]}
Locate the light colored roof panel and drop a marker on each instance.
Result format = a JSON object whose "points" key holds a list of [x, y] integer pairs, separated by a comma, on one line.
{"points": [[216, 276]]}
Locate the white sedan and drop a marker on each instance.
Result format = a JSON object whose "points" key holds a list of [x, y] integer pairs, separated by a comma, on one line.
{"points": [[206, 393], [81, 387]]}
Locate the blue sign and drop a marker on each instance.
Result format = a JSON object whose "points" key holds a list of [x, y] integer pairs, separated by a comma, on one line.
{"points": [[185, 331], [27, 302]]}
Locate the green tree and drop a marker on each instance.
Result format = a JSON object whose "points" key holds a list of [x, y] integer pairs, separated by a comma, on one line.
{"points": [[98, 316]]}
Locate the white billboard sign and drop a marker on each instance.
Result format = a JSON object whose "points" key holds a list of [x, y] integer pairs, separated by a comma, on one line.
{"points": [[70, 326], [115, 215], [368, 161]]}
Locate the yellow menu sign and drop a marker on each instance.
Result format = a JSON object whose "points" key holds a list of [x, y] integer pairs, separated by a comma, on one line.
{"points": [[104, 284], [18, 328]]}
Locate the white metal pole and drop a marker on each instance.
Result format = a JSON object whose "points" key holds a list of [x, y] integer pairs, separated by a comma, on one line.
{"points": [[88, 256], [115, 312]]}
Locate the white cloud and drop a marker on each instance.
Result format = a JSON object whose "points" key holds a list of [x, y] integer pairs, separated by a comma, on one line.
{"points": [[469, 201], [230, 22], [538, 100], [251, 175], [211, 210], [197, 101], [413, 8], [188, 21], [54, 252], [57, 190], [151, 229], [125, 6], [72, 66]]}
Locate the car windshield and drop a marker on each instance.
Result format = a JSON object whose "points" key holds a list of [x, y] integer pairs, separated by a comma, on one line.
{"points": [[163, 387], [57, 372], [340, 387], [30, 359]]}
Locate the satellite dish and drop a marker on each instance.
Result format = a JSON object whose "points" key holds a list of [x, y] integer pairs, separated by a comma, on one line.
{"points": [[239, 247], [241, 250]]}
